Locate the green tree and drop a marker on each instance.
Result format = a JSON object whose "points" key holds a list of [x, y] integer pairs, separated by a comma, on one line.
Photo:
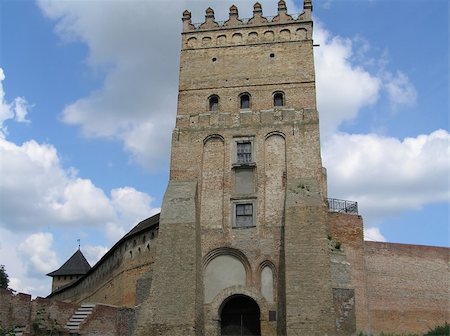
{"points": [[4, 280]]}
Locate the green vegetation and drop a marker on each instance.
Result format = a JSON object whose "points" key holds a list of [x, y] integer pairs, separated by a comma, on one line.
{"points": [[4, 280], [443, 330]]}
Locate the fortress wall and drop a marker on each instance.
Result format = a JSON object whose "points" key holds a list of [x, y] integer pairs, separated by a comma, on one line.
{"points": [[20, 310], [15, 309], [347, 230], [408, 287], [113, 279]]}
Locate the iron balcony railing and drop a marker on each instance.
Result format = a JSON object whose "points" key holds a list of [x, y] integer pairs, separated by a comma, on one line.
{"points": [[342, 206]]}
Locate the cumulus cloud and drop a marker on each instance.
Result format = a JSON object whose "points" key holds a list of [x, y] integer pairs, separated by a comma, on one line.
{"points": [[400, 89], [17, 110], [94, 253], [38, 253], [139, 57], [342, 87], [24, 260], [386, 175], [374, 234], [349, 79], [37, 191]]}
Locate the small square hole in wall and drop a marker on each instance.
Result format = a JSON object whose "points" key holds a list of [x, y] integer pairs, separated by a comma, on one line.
{"points": [[272, 55], [214, 59], [272, 315]]}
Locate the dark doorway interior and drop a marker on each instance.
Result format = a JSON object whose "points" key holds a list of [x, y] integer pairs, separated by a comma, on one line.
{"points": [[240, 317]]}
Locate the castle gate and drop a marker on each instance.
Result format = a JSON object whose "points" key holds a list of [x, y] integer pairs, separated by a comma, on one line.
{"points": [[240, 317]]}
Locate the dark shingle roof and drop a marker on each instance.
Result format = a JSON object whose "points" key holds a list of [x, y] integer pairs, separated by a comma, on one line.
{"points": [[76, 265]]}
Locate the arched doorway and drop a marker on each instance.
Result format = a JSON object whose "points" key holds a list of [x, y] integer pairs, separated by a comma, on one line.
{"points": [[240, 317]]}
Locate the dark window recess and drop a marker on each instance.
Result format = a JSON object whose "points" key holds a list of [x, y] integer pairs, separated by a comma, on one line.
{"points": [[244, 215], [245, 101], [244, 152], [278, 99], [214, 103], [272, 315]]}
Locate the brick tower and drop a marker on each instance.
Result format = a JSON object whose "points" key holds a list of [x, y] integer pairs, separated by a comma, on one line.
{"points": [[243, 238]]}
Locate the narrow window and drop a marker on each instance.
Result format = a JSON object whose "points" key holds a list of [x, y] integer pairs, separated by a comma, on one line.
{"points": [[245, 101], [214, 103], [278, 99], [244, 152], [244, 215]]}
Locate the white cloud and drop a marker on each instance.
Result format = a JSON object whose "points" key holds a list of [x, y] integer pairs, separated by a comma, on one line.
{"points": [[37, 191], [139, 57], [348, 79], [38, 253], [94, 253], [374, 234], [23, 271], [388, 176], [400, 89], [17, 110], [342, 87]]}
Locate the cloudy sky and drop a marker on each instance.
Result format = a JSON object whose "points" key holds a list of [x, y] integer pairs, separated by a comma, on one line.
{"points": [[88, 93]]}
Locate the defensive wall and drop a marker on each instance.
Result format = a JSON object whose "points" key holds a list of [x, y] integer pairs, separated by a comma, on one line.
{"points": [[115, 278], [399, 288], [22, 315]]}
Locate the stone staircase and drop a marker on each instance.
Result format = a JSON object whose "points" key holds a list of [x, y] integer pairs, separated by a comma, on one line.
{"points": [[77, 319]]}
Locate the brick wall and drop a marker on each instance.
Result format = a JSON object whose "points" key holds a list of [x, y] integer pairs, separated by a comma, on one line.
{"points": [[15, 309], [408, 287]]}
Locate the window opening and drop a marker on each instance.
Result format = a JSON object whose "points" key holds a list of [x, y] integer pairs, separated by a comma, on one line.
{"points": [[244, 152], [214, 103], [244, 215], [245, 101], [278, 99]]}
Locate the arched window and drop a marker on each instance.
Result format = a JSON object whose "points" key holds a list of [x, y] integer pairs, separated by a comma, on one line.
{"points": [[245, 101], [278, 99], [214, 103]]}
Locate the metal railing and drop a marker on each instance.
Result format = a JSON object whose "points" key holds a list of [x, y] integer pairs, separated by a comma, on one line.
{"points": [[342, 206]]}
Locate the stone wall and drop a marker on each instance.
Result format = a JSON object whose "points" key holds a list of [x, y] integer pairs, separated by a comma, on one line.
{"points": [[114, 278], [408, 287], [18, 310], [48, 317]]}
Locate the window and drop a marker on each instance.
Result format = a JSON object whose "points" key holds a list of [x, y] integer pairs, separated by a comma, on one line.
{"points": [[244, 152], [244, 215], [245, 101], [214, 103], [278, 99]]}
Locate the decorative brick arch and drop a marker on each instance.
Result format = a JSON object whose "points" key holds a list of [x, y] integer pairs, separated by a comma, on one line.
{"points": [[221, 299]]}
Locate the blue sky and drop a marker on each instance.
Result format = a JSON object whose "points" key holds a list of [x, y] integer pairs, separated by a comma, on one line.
{"points": [[88, 101]]}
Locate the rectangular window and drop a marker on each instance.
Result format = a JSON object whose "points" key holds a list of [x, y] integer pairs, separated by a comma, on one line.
{"points": [[244, 152], [244, 215]]}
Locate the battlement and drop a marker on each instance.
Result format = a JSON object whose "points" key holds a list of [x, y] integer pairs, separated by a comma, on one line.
{"points": [[257, 19]]}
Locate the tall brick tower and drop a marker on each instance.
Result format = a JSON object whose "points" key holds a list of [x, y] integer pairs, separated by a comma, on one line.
{"points": [[243, 239]]}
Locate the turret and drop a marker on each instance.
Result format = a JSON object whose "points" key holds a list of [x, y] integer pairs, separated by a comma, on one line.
{"points": [[73, 269]]}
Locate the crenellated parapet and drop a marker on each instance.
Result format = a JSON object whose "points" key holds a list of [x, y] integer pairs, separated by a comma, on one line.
{"points": [[257, 29]]}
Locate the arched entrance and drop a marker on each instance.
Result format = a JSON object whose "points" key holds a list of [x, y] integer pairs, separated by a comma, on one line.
{"points": [[240, 317]]}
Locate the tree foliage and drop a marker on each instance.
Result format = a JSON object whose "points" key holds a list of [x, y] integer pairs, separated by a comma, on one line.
{"points": [[4, 280]]}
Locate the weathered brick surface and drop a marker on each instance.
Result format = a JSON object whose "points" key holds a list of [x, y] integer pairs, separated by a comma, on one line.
{"points": [[15, 309], [114, 280], [44, 314], [109, 321], [348, 231], [408, 287]]}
